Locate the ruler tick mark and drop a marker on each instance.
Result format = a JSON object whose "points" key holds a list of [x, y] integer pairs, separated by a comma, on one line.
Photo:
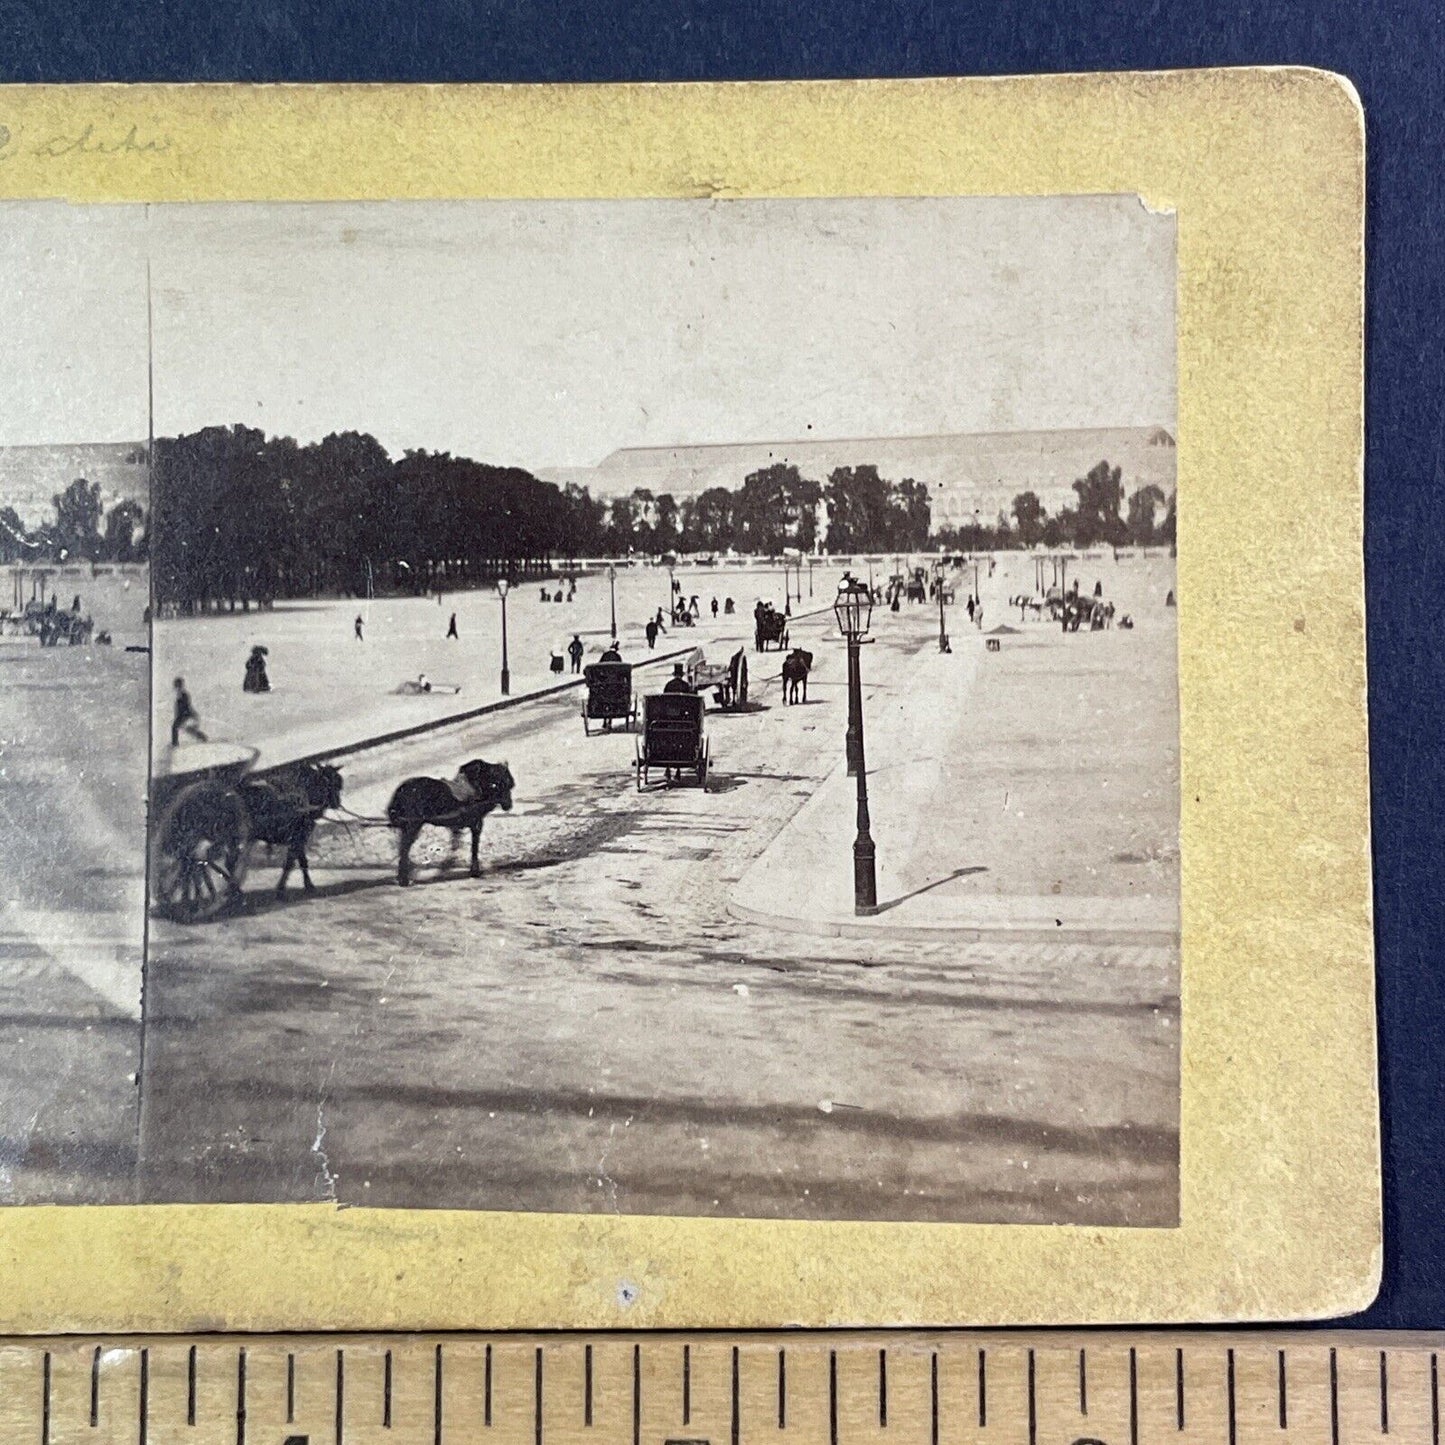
{"points": [[1434, 1401], [1178, 1389], [933, 1401], [1083, 1384], [737, 1413], [832, 1397], [45, 1400], [1283, 1394], [436, 1398], [290, 1389], [386, 1391], [487, 1390], [1033, 1405], [143, 1404], [241, 1396], [95, 1387], [191, 1386], [687, 1384], [883, 1389], [1384, 1395], [587, 1388], [982, 1391], [636, 1395], [1334, 1400], [340, 1396], [782, 1389], [1229, 1393], [1133, 1398], [536, 1398]]}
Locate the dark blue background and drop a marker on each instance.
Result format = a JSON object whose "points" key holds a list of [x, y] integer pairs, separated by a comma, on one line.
{"points": [[1394, 54]]}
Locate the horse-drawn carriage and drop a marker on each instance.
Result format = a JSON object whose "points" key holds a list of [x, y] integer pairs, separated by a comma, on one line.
{"points": [[200, 832], [673, 739], [727, 682], [770, 628], [50, 624], [609, 696], [206, 812]]}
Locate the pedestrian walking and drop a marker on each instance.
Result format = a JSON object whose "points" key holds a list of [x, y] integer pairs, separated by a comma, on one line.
{"points": [[184, 720], [575, 651], [356, 627], [714, 609], [256, 679], [659, 624], [970, 608], [651, 631], [556, 663], [452, 628]]}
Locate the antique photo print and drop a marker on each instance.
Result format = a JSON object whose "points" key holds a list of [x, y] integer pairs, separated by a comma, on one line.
{"points": [[642, 707]]}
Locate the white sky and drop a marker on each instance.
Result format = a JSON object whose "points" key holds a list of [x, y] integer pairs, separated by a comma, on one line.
{"points": [[551, 333]]}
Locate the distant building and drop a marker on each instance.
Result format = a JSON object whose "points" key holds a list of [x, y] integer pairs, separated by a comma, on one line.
{"points": [[30, 476], [974, 475]]}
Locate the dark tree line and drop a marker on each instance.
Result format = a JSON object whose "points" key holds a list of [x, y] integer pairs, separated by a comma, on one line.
{"points": [[80, 531], [243, 518], [240, 518], [1102, 516]]}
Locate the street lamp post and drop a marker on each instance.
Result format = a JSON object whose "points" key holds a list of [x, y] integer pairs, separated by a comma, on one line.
{"points": [[938, 573], [502, 585], [853, 607], [612, 592]]}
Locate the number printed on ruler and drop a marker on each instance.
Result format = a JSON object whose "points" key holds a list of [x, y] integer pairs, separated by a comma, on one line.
{"points": [[792, 1389]]}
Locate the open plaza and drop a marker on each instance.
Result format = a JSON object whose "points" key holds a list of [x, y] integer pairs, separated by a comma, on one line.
{"points": [[663, 1001]]}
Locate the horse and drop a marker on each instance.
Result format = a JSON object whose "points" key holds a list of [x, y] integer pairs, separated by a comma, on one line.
{"points": [[283, 808], [461, 803], [796, 666]]}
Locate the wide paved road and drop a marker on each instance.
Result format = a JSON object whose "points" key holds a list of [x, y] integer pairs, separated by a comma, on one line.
{"points": [[585, 1028]]}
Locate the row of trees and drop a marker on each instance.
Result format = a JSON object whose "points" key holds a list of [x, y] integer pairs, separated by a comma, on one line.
{"points": [[1101, 517], [80, 531], [241, 517]]}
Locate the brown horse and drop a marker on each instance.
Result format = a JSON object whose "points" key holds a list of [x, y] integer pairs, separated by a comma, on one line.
{"points": [[283, 808], [796, 667], [461, 803]]}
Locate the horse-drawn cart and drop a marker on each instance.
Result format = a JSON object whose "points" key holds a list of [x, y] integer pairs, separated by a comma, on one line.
{"points": [[672, 738], [200, 831], [609, 696]]}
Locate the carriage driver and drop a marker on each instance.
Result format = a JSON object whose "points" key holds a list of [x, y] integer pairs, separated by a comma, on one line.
{"points": [[678, 682]]}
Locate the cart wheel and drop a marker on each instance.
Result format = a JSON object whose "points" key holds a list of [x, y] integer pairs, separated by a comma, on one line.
{"points": [[640, 764], [198, 853], [586, 725], [702, 765]]}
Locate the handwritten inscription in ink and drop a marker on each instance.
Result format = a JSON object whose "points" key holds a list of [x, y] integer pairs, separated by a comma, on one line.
{"points": [[87, 140]]}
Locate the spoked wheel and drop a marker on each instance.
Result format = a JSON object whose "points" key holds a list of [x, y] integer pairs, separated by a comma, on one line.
{"points": [[198, 854]]}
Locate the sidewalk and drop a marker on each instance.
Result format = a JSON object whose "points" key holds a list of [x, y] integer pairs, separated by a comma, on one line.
{"points": [[1022, 795]]}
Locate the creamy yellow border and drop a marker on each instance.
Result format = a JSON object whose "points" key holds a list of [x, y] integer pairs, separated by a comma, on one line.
{"points": [[1280, 1187]]}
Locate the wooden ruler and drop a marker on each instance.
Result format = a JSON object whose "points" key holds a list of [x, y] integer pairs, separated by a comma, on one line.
{"points": [[805, 1388]]}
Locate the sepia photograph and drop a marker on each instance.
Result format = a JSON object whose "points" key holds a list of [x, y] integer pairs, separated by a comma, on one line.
{"points": [[635, 707]]}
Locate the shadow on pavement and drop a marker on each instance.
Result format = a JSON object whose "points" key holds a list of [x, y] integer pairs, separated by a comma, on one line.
{"points": [[936, 883]]}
